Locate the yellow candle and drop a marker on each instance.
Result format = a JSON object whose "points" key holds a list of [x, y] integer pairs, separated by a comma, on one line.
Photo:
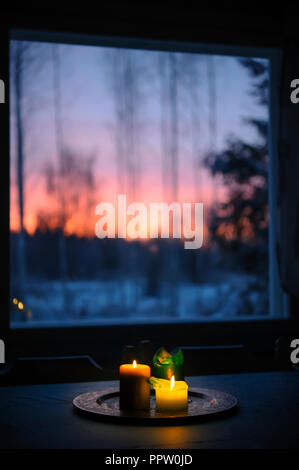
{"points": [[134, 388], [172, 396]]}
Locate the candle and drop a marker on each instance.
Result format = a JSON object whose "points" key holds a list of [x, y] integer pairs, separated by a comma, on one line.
{"points": [[134, 388], [171, 395]]}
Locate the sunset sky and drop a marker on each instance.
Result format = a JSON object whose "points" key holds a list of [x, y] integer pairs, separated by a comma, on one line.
{"points": [[88, 115]]}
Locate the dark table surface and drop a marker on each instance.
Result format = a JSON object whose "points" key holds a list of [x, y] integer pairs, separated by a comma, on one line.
{"points": [[42, 416]]}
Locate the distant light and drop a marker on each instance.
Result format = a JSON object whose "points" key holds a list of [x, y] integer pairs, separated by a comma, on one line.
{"points": [[29, 314], [20, 305], [15, 301]]}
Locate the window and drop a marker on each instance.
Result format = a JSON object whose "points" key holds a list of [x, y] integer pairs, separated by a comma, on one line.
{"points": [[153, 122]]}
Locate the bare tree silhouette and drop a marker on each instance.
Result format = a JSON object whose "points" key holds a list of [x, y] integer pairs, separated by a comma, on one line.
{"points": [[18, 84], [25, 62], [61, 166], [124, 68]]}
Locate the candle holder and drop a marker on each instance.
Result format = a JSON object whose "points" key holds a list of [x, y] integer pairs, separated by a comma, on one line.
{"points": [[202, 405], [166, 365], [171, 402]]}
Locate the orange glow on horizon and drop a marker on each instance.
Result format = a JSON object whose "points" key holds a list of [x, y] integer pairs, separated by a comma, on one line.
{"points": [[41, 211]]}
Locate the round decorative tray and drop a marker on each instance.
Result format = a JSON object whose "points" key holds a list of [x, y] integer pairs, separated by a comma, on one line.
{"points": [[202, 403]]}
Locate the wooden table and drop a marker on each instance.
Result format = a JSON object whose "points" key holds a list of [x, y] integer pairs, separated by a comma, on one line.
{"points": [[42, 416]]}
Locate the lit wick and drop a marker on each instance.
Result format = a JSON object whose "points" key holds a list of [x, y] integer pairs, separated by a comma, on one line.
{"points": [[172, 382]]}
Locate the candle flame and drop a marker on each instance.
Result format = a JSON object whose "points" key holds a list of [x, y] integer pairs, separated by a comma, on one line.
{"points": [[172, 382], [134, 364]]}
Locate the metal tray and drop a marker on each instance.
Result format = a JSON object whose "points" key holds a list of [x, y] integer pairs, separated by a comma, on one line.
{"points": [[202, 404]]}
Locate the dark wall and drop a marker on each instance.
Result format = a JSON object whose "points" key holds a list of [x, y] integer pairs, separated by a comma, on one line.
{"points": [[247, 25], [274, 27]]}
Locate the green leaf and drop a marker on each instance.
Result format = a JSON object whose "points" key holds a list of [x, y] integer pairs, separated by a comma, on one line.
{"points": [[158, 383], [178, 358], [163, 357]]}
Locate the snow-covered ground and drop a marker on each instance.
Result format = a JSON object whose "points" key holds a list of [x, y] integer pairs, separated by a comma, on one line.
{"points": [[124, 300]]}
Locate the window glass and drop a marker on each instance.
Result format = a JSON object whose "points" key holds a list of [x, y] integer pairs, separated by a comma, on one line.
{"points": [[92, 125]]}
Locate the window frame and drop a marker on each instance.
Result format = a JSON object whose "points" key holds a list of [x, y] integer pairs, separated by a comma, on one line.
{"points": [[94, 339]]}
